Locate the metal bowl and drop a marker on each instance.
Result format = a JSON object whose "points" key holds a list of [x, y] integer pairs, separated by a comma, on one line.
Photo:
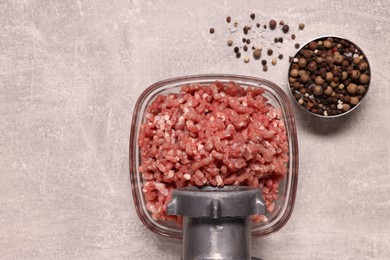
{"points": [[309, 86]]}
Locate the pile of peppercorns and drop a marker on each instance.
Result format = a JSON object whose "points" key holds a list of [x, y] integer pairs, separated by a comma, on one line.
{"points": [[329, 76], [253, 40]]}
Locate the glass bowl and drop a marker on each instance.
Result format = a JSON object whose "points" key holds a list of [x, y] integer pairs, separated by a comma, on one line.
{"points": [[288, 186]]}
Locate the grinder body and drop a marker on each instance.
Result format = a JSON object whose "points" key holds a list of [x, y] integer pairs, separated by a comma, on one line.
{"points": [[216, 221]]}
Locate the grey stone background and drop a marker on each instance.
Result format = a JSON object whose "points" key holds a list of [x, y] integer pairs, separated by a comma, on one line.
{"points": [[70, 73]]}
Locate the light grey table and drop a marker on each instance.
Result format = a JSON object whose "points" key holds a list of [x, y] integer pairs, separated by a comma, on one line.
{"points": [[70, 72]]}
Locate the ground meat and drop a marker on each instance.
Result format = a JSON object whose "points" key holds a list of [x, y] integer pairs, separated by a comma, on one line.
{"points": [[218, 134]]}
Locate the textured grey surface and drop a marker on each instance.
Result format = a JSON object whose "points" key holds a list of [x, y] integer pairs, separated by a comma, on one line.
{"points": [[70, 72]]}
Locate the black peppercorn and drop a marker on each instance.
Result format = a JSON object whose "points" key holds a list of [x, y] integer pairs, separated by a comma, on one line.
{"points": [[257, 25], [248, 41], [263, 62], [212, 30], [245, 48], [296, 45], [285, 28], [236, 49], [280, 56], [228, 19], [281, 39], [272, 24], [269, 52], [293, 36], [238, 55], [252, 16]]}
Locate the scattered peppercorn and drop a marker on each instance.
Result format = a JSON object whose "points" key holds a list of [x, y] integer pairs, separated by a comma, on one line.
{"points": [[264, 62], [297, 45], [301, 26], [285, 28], [246, 59], [272, 24], [257, 54], [293, 36], [265, 68], [247, 44]]}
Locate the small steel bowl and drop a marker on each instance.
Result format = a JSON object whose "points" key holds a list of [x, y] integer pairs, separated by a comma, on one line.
{"points": [[311, 82]]}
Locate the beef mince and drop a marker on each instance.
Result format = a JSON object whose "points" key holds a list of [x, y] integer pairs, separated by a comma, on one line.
{"points": [[217, 134]]}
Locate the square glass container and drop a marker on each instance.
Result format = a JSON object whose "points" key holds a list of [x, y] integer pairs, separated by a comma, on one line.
{"points": [[288, 186]]}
